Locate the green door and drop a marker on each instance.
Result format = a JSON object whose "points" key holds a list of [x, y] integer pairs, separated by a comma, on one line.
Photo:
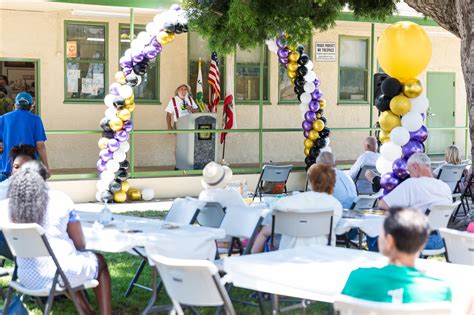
{"points": [[441, 93]]}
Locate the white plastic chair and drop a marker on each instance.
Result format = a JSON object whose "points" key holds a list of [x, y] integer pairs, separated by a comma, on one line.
{"points": [[29, 241], [363, 186], [451, 175], [211, 215], [192, 283], [347, 305], [459, 246], [272, 174]]}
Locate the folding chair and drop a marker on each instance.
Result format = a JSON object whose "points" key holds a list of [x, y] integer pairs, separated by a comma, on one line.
{"points": [[438, 217], [467, 193], [211, 215], [29, 241], [182, 211], [363, 186], [192, 283], [459, 246], [452, 175], [347, 305], [272, 174]]}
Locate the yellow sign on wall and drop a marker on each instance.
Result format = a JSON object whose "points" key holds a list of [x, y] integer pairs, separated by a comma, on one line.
{"points": [[71, 49]]}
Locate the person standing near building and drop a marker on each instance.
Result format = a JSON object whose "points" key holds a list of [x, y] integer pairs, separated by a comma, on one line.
{"points": [[180, 105], [21, 127]]}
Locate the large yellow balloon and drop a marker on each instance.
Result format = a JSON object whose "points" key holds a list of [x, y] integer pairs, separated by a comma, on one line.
{"points": [[292, 66], [120, 196], [384, 136], [389, 120], [404, 50], [313, 135], [134, 194], [318, 125], [412, 88], [400, 105]]}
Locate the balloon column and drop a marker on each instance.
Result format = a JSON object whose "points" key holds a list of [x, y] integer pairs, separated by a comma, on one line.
{"points": [[401, 105], [117, 123], [306, 86]]}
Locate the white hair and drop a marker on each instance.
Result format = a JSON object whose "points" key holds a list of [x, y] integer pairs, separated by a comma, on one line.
{"points": [[420, 159], [326, 158]]}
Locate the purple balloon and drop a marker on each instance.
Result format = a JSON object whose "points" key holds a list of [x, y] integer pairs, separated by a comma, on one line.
{"points": [[283, 61], [127, 70], [114, 87], [307, 125], [389, 181], [399, 168], [105, 155], [316, 82], [420, 135], [150, 52], [125, 61], [113, 145], [314, 106], [281, 42], [156, 44], [317, 94], [386, 191], [411, 148], [101, 165], [310, 116], [423, 116], [121, 135], [175, 7], [128, 126], [137, 57], [306, 133], [283, 52]]}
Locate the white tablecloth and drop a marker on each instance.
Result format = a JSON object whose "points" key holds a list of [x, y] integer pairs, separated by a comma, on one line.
{"points": [[320, 272], [369, 224]]}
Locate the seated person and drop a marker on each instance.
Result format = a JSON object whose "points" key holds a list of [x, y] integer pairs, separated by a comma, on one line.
{"points": [[30, 201], [344, 189], [19, 155], [322, 179], [451, 157], [404, 235], [368, 158], [215, 178]]}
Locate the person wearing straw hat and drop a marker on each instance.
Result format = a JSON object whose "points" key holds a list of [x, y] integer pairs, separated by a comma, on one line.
{"points": [[215, 178], [180, 105]]}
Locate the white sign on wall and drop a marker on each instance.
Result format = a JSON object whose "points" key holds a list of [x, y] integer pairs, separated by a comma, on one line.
{"points": [[326, 52]]}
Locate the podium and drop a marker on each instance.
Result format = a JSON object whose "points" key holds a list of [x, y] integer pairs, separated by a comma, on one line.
{"points": [[195, 150]]}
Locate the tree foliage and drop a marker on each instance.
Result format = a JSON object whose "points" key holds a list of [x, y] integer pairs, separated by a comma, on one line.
{"points": [[227, 24]]}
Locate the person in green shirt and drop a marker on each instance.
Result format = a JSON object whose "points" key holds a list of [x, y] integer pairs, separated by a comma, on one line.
{"points": [[404, 235]]}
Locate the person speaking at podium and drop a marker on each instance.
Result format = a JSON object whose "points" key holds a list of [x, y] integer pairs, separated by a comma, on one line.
{"points": [[180, 105]]}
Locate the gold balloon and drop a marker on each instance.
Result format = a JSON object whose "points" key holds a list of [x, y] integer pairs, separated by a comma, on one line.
{"points": [[128, 102], [308, 144], [294, 56], [125, 186], [412, 88], [394, 51], [291, 74], [103, 142], [134, 194], [306, 151], [124, 114], [120, 77], [162, 37], [400, 105], [318, 115], [313, 135], [389, 120], [171, 37], [322, 103], [318, 125], [116, 124], [130, 107], [384, 136], [292, 66], [120, 196], [293, 80]]}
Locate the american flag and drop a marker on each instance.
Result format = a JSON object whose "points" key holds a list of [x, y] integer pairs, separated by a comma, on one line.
{"points": [[214, 81], [229, 114]]}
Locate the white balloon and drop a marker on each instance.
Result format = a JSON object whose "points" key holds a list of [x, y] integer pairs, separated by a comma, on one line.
{"points": [[138, 44], [125, 146], [153, 28], [112, 165], [390, 151], [111, 112], [273, 47], [305, 98], [107, 176], [119, 156], [419, 104], [383, 166], [148, 194], [98, 195], [128, 52], [102, 185], [412, 121], [309, 87], [310, 76], [145, 37], [309, 65], [157, 18], [400, 136], [326, 149], [125, 91], [139, 80], [303, 109], [109, 100]]}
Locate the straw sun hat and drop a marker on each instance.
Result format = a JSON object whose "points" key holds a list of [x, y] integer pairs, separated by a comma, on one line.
{"points": [[184, 84], [215, 175]]}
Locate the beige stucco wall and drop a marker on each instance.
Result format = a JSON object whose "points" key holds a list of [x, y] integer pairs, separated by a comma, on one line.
{"points": [[41, 36]]}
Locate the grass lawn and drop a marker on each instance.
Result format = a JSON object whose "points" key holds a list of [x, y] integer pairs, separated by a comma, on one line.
{"points": [[123, 266]]}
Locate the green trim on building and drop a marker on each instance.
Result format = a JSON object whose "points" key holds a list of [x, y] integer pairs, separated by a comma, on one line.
{"points": [[144, 4], [349, 16]]}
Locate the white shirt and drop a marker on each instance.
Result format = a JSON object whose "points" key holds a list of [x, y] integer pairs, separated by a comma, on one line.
{"points": [[180, 105], [419, 193], [309, 201], [225, 197], [367, 158]]}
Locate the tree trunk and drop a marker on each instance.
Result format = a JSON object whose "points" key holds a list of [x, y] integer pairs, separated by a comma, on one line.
{"points": [[456, 16]]}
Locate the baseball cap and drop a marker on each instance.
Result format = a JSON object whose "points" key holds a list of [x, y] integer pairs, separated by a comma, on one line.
{"points": [[23, 97]]}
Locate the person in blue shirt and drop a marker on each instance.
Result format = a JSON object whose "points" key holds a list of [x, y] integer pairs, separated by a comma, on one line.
{"points": [[344, 189], [21, 127]]}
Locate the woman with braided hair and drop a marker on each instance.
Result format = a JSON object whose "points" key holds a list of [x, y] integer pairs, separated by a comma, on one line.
{"points": [[31, 201]]}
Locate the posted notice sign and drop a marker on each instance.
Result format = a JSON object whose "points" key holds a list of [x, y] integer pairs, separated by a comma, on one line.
{"points": [[325, 51]]}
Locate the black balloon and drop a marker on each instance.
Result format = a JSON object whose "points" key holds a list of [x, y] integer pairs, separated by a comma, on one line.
{"points": [[382, 103], [185, 28], [169, 27], [119, 102], [320, 143], [314, 152], [104, 124], [124, 165], [309, 161], [300, 49], [106, 196], [115, 186], [131, 79], [302, 70], [121, 175], [298, 90], [300, 81], [108, 134], [391, 87], [324, 120], [179, 28], [139, 69], [304, 58], [324, 133]]}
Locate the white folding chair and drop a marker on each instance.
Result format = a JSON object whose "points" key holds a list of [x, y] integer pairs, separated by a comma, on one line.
{"points": [[29, 241], [347, 305], [438, 217], [459, 246], [211, 215], [363, 186], [272, 174], [192, 283], [182, 211], [452, 175]]}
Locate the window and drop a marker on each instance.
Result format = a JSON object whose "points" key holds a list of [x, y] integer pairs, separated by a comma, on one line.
{"points": [[198, 48], [247, 75], [149, 89], [353, 69], [286, 89], [85, 61]]}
